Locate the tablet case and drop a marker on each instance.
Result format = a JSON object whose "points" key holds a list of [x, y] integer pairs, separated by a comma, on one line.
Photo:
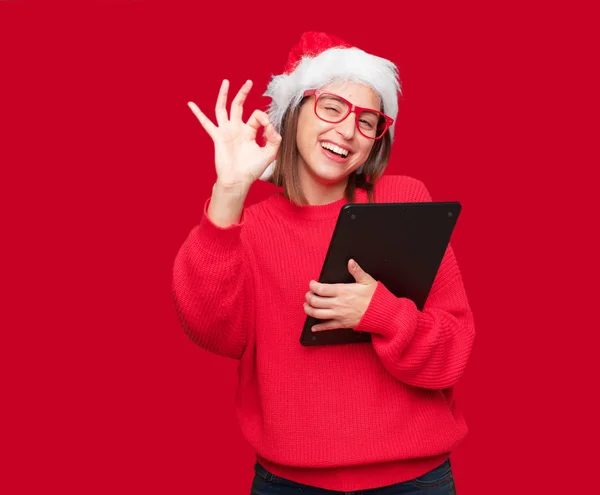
{"points": [[399, 244]]}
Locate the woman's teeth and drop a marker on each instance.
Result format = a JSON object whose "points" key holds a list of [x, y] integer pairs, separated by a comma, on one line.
{"points": [[335, 149]]}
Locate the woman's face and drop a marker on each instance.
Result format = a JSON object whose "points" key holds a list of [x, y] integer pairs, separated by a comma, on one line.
{"points": [[328, 166]]}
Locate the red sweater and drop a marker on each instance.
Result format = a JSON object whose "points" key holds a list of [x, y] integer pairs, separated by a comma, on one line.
{"points": [[342, 417]]}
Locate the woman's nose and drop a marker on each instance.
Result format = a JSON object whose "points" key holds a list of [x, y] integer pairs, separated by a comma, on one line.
{"points": [[347, 127]]}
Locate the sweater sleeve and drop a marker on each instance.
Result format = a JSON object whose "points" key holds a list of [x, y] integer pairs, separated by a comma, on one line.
{"points": [[429, 348], [212, 288]]}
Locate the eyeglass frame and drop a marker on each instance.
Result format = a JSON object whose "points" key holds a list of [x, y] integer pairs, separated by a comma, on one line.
{"points": [[351, 108]]}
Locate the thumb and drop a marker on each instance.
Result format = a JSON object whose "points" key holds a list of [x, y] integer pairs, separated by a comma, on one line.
{"points": [[358, 273]]}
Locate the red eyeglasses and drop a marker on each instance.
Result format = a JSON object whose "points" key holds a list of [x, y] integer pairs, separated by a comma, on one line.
{"points": [[332, 108]]}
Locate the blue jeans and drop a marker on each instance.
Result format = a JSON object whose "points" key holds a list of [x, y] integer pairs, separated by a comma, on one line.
{"points": [[438, 481]]}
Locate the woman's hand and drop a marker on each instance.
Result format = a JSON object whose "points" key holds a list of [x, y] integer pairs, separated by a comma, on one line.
{"points": [[239, 160], [342, 305]]}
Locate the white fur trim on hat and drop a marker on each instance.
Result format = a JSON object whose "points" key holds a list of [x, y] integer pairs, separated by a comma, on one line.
{"points": [[334, 64]]}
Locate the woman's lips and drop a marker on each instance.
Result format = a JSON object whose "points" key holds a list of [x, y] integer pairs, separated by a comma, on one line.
{"points": [[333, 156]]}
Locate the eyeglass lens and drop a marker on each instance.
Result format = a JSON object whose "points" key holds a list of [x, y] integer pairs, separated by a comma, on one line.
{"points": [[334, 109]]}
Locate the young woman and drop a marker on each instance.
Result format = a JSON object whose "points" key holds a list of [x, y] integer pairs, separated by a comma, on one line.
{"points": [[379, 416]]}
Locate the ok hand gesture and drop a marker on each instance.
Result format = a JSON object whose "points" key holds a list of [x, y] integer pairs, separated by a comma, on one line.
{"points": [[239, 160]]}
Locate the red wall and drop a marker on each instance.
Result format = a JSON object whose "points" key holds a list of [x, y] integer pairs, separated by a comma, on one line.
{"points": [[106, 170]]}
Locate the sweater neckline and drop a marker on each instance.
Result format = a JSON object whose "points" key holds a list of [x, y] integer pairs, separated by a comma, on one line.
{"points": [[314, 212]]}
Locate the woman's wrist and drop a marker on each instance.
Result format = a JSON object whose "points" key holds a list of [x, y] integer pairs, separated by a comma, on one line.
{"points": [[227, 203]]}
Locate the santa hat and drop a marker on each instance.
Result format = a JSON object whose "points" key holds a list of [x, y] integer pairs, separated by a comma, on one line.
{"points": [[319, 59]]}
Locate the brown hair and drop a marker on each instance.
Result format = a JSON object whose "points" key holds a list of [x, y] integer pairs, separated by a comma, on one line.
{"points": [[286, 168]]}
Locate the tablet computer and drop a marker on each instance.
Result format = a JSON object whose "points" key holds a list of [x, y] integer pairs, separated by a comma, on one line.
{"points": [[399, 244]]}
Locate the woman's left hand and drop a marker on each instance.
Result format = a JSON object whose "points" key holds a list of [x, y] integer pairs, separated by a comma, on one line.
{"points": [[342, 305]]}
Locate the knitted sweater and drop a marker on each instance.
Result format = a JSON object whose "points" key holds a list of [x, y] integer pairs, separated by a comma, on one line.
{"points": [[341, 417]]}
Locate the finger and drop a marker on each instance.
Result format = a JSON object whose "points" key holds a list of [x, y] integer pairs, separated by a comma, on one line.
{"points": [[325, 290], [205, 122], [220, 108], [328, 325], [319, 314], [318, 301], [258, 119], [358, 273], [237, 105]]}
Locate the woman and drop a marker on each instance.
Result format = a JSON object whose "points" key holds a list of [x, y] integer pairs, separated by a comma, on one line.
{"points": [[377, 416]]}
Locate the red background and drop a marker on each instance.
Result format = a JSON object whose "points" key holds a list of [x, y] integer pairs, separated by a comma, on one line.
{"points": [[105, 171]]}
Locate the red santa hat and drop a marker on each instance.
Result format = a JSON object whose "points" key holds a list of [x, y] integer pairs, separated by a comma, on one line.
{"points": [[319, 59]]}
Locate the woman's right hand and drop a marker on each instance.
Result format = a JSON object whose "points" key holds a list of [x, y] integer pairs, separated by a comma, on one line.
{"points": [[239, 160]]}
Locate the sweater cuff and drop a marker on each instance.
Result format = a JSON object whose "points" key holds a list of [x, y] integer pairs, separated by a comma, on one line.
{"points": [[387, 314], [215, 239]]}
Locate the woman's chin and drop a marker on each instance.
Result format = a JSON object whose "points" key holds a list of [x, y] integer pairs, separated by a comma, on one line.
{"points": [[330, 173]]}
